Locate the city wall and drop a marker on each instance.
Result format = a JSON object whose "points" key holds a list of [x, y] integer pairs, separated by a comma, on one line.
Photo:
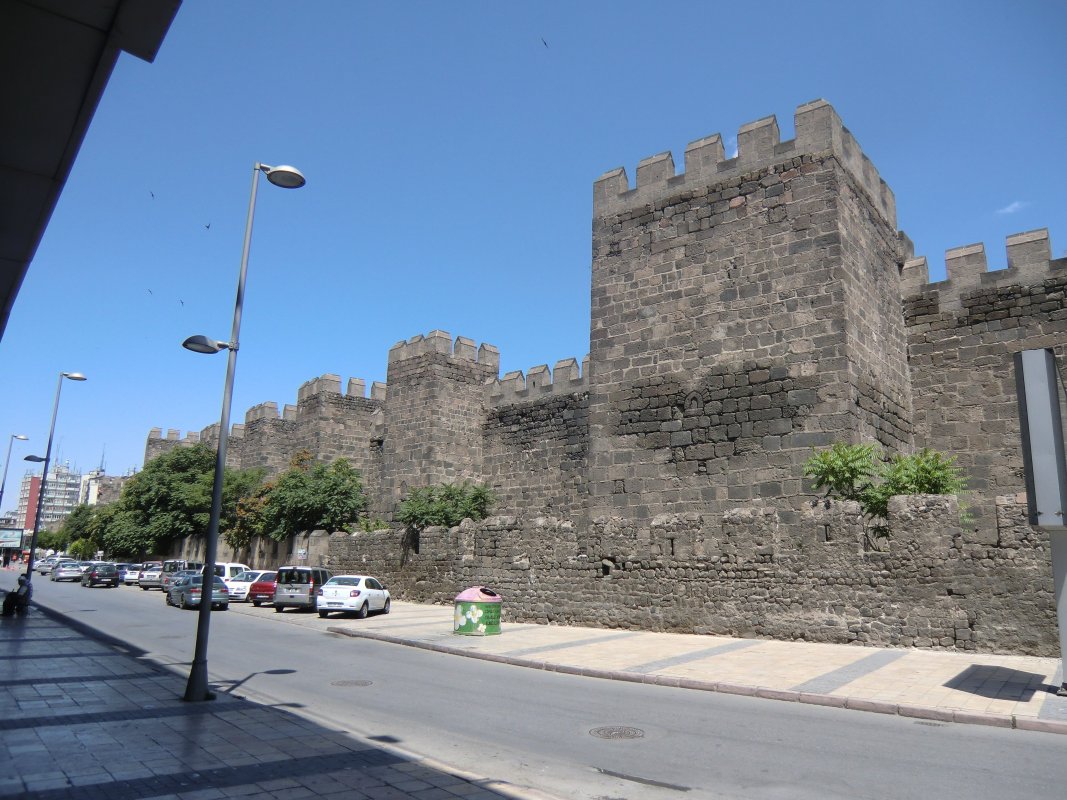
{"points": [[742, 312]]}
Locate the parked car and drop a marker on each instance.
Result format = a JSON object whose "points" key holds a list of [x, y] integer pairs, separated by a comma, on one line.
{"points": [[100, 574], [354, 594], [68, 571], [132, 573], [262, 590], [299, 586], [151, 576], [45, 565], [240, 584], [186, 591], [228, 570], [179, 564], [169, 578]]}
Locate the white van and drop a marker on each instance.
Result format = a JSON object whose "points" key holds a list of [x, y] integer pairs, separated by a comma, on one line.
{"points": [[228, 570]]}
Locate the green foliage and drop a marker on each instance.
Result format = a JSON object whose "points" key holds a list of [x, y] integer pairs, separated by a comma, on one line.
{"points": [[52, 540], [170, 498], [844, 470], [850, 472], [446, 504], [82, 549], [309, 497], [925, 472], [368, 525], [79, 524]]}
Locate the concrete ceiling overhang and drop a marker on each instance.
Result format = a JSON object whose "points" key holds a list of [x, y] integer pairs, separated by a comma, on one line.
{"points": [[56, 57]]}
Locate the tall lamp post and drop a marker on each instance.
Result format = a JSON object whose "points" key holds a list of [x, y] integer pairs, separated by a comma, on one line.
{"points": [[7, 463], [3, 481], [73, 376], [197, 687]]}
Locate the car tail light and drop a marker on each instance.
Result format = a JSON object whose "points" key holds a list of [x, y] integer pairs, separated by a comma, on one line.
{"points": [[354, 593]]}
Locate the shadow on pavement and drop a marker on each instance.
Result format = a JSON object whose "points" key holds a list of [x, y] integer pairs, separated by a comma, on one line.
{"points": [[1004, 683]]}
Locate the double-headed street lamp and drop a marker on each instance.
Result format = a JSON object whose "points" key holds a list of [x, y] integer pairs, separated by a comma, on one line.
{"points": [[73, 376], [197, 687]]}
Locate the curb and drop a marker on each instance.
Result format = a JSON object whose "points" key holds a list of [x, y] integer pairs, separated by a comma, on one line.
{"points": [[946, 715]]}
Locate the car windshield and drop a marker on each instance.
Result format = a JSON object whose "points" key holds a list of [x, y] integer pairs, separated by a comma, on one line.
{"points": [[245, 576], [344, 580], [294, 576]]}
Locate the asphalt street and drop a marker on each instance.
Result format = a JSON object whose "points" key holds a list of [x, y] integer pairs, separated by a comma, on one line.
{"points": [[536, 728]]}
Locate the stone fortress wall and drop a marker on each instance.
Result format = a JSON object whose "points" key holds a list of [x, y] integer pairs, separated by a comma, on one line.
{"points": [[742, 312]]}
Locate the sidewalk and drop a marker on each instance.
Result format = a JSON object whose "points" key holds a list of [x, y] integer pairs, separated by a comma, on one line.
{"points": [[82, 718], [975, 688]]}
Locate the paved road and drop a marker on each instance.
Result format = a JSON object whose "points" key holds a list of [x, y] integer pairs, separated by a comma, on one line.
{"points": [[533, 728]]}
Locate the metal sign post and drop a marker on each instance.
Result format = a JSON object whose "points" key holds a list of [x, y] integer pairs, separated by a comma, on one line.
{"points": [[1039, 392]]}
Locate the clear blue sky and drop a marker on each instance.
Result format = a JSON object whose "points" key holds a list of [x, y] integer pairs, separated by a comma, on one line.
{"points": [[450, 151]]}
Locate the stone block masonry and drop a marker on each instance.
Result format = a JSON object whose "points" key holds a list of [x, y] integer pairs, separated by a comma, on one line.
{"points": [[741, 312]]}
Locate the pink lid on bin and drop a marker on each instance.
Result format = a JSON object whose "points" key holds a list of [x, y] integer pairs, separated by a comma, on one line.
{"points": [[478, 594]]}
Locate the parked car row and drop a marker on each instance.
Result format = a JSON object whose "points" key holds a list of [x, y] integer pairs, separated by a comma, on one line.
{"points": [[181, 581]]}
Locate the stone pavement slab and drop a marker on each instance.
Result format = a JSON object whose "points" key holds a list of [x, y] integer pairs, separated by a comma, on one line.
{"points": [[82, 718], [974, 688]]}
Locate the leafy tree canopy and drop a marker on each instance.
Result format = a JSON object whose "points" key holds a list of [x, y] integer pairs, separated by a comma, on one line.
{"points": [[309, 497], [446, 504]]}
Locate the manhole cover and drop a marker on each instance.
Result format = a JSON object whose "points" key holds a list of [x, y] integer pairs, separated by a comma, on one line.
{"points": [[617, 732], [351, 683]]}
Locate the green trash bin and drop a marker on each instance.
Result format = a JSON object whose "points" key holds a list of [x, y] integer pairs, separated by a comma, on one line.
{"points": [[478, 612]]}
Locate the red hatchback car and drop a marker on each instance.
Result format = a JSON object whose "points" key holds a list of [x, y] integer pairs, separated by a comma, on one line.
{"points": [[262, 591]]}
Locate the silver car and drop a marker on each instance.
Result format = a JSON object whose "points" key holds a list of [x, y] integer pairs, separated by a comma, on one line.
{"points": [[69, 570], [151, 576], [185, 593]]}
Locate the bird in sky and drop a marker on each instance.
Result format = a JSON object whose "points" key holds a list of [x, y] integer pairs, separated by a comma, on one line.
{"points": [[208, 226], [544, 42], [152, 193], [150, 292]]}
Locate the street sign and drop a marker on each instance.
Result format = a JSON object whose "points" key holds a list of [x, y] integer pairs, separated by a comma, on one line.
{"points": [[10, 537]]}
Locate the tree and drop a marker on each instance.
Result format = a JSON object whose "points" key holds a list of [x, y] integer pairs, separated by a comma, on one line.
{"points": [[82, 549], [446, 504], [171, 498], [79, 524], [309, 497], [52, 540]]}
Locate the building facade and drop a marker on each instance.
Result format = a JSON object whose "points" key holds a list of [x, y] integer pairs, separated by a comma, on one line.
{"points": [[61, 496]]}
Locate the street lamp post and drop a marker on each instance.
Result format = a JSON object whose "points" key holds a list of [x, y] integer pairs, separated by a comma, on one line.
{"points": [[7, 463], [197, 687], [3, 481], [73, 376]]}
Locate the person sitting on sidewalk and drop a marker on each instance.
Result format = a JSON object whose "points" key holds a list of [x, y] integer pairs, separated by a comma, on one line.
{"points": [[18, 601]]}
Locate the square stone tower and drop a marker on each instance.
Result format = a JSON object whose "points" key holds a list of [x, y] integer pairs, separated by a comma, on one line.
{"points": [[434, 413], [742, 312]]}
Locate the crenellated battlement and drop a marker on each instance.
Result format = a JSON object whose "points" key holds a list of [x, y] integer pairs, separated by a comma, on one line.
{"points": [[440, 342], [539, 382], [156, 434], [268, 410], [328, 383], [759, 146], [1029, 261]]}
